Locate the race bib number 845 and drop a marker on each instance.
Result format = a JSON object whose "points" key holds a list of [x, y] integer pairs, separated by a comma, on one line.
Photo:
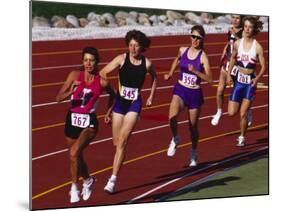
{"points": [[80, 120]]}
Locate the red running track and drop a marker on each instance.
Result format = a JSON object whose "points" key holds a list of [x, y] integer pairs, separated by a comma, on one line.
{"points": [[148, 174]]}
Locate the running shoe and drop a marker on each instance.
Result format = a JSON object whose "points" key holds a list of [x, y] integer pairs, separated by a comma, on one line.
{"points": [[240, 141], [74, 195], [173, 146], [250, 117], [110, 186], [87, 188], [216, 118], [193, 158]]}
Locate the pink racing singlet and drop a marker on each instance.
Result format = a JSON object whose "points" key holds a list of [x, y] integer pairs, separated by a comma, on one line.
{"points": [[84, 98]]}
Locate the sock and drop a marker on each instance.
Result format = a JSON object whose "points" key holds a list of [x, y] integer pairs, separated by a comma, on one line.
{"points": [[113, 178], [74, 186], [219, 111], [87, 181], [176, 139], [193, 151]]}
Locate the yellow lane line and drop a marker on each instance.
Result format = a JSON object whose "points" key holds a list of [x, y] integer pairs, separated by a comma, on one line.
{"points": [[145, 108], [146, 156], [125, 48]]}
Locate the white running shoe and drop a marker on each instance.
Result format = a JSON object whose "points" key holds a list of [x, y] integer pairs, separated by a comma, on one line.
{"points": [[216, 118], [240, 141], [87, 188], [173, 146], [109, 186], [250, 117], [193, 158], [74, 195]]}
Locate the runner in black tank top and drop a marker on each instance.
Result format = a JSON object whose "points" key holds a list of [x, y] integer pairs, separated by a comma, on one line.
{"points": [[133, 67], [234, 33]]}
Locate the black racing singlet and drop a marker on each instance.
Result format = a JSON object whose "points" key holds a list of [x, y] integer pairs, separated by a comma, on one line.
{"points": [[231, 38], [132, 75]]}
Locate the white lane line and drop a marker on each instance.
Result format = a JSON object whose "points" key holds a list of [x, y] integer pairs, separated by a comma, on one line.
{"points": [[105, 95], [135, 132], [104, 63], [192, 173]]}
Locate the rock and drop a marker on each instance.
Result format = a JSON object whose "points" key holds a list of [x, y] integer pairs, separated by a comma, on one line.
{"points": [[73, 20], [143, 15], [122, 15], [40, 22], [222, 20], [162, 18], [134, 14], [83, 22], [174, 15], [121, 22], [92, 16], [61, 22], [108, 19], [179, 22], [154, 20], [131, 21], [144, 20], [56, 18], [206, 17], [93, 23]]}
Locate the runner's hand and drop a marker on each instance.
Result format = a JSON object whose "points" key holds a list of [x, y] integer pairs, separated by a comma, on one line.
{"points": [[149, 101], [167, 76], [107, 118]]}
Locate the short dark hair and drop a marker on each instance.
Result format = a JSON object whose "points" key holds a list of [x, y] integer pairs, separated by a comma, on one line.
{"points": [[93, 51], [256, 22], [140, 37]]}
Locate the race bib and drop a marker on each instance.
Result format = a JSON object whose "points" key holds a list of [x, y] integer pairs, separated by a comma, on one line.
{"points": [[129, 93], [243, 78], [234, 70], [189, 80], [80, 120]]}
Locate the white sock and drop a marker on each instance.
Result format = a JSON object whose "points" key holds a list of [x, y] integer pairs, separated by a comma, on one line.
{"points": [[113, 178], [219, 111], [87, 181], [74, 186]]}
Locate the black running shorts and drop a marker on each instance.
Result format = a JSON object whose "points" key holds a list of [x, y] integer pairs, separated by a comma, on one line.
{"points": [[73, 131]]}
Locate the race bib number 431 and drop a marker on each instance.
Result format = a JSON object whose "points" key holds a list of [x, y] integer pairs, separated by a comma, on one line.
{"points": [[189, 79], [80, 120], [129, 93]]}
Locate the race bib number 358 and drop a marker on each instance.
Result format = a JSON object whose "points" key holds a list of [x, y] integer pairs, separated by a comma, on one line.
{"points": [[80, 120], [129, 93]]}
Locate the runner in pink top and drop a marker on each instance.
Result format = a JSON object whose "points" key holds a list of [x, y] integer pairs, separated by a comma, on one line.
{"points": [[81, 126]]}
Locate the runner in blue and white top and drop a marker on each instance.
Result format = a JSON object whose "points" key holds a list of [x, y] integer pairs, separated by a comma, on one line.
{"points": [[246, 52]]}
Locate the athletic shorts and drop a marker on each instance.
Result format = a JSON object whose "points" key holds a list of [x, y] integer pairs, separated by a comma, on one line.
{"points": [[123, 106], [73, 131], [242, 91], [192, 98]]}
